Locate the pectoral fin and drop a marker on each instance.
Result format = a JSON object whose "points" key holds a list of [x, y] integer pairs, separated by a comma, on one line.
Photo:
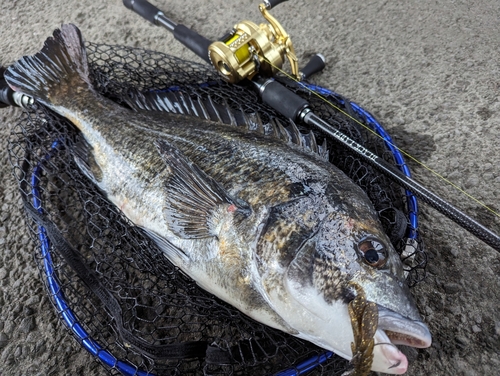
{"points": [[194, 198]]}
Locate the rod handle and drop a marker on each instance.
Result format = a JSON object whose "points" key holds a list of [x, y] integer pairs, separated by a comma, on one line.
{"points": [[280, 98], [189, 38], [144, 9], [6, 93], [270, 4], [194, 41]]}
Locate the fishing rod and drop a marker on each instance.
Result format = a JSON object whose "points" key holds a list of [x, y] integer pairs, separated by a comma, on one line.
{"points": [[251, 52], [9, 97]]}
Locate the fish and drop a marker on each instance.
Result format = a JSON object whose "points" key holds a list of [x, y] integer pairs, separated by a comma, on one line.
{"points": [[264, 224]]}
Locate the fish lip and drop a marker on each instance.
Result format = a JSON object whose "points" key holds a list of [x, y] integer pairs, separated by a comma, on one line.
{"points": [[390, 360], [402, 330]]}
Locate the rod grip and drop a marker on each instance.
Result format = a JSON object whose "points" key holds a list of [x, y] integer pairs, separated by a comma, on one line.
{"points": [[6, 97], [143, 8], [6, 93], [192, 40], [283, 100]]}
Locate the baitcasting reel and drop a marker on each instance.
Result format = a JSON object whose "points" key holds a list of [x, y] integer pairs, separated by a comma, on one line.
{"points": [[250, 49], [247, 50]]}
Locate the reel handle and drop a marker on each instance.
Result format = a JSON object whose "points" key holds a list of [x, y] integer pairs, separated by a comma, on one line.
{"points": [[316, 64]]}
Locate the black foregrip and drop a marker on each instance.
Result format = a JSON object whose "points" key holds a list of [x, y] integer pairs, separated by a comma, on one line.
{"points": [[273, 3], [6, 98], [144, 9], [192, 40], [315, 65], [283, 100]]}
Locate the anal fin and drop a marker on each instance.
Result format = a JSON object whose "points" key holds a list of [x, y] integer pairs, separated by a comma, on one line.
{"points": [[85, 160], [174, 254]]}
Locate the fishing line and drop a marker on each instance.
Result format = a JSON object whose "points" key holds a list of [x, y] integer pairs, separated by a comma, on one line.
{"points": [[388, 142]]}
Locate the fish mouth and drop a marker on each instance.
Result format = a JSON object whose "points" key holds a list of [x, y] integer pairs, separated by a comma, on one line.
{"points": [[394, 329], [403, 331]]}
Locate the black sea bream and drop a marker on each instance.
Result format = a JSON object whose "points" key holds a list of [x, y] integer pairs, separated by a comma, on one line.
{"points": [[269, 227]]}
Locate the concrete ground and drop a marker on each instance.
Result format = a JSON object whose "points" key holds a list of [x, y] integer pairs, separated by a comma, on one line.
{"points": [[428, 70]]}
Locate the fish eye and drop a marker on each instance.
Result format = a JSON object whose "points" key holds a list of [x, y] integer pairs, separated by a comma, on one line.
{"points": [[373, 252]]}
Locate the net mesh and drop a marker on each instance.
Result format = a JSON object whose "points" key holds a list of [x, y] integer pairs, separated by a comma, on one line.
{"points": [[157, 303]]}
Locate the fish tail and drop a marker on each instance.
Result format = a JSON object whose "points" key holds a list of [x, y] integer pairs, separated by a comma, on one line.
{"points": [[59, 70]]}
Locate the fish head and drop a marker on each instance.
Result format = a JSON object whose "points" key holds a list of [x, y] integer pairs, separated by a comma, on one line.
{"points": [[340, 248]]}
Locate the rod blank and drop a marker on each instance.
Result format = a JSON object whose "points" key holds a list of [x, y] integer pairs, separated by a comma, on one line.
{"points": [[390, 171]]}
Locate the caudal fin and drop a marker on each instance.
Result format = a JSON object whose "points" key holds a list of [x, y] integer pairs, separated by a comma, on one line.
{"points": [[57, 71]]}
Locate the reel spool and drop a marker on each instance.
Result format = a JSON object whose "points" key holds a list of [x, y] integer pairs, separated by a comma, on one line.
{"points": [[250, 49]]}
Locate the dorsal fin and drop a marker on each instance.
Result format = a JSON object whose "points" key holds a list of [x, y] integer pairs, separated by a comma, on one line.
{"points": [[205, 108], [281, 131], [211, 106], [272, 129], [309, 142], [183, 106], [323, 151], [255, 123], [232, 118], [294, 133], [312, 142], [167, 105]]}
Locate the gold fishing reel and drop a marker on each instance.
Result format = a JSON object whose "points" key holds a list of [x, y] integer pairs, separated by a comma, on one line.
{"points": [[250, 49]]}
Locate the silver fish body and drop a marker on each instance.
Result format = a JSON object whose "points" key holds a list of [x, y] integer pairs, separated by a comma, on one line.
{"points": [[265, 225]]}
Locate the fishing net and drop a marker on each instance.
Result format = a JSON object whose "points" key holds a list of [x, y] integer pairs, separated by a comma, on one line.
{"points": [[121, 298]]}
